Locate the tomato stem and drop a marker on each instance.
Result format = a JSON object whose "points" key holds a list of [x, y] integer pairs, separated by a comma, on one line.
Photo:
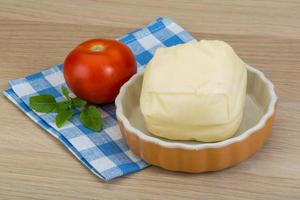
{"points": [[97, 48]]}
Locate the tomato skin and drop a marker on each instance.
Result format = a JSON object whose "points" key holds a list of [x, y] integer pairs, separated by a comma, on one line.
{"points": [[96, 69]]}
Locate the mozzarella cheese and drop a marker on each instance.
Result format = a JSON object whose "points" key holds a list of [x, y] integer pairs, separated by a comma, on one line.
{"points": [[194, 91]]}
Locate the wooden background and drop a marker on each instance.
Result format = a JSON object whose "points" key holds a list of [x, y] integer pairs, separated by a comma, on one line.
{"points": [[37, 34]]}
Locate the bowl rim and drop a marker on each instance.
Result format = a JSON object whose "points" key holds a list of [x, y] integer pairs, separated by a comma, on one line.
{"points": [[177, 144]]}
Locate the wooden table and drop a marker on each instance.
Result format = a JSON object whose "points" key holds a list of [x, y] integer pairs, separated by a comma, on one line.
{"points": [[37, 34]]}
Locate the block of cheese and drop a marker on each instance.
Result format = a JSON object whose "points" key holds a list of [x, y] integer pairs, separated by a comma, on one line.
{"points": [[194, 91]]}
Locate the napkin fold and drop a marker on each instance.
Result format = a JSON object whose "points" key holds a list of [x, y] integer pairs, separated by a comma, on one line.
{"points": [[104, 153]]}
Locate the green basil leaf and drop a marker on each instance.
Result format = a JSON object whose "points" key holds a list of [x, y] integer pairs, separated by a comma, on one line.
{"points": [[43, 103], [90, 117], [78, 102], [62, 106], [62, 117], [65, 92]]}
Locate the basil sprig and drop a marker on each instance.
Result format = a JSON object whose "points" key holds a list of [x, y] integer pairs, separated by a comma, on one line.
{"points": [[90, 116]]}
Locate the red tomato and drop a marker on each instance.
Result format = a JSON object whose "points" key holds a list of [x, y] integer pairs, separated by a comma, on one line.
{"points": [[96, 69]]}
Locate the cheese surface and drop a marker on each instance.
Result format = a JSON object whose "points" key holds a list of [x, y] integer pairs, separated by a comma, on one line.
{"points": [[194, 91]]}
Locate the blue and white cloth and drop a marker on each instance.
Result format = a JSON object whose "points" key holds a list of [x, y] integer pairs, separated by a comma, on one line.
{"points": [[104, 153]]}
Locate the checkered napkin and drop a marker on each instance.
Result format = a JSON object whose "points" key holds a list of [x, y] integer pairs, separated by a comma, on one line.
{"points": [[104, 153]]}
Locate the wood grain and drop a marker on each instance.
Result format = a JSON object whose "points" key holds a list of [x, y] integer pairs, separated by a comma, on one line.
{"points": [[37, 34]]}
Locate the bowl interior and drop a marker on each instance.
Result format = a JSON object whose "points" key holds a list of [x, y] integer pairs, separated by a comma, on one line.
{"points": [[257, 102]]}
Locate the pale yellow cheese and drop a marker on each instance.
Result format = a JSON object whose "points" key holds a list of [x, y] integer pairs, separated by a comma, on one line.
{"points": [[194, 91]]}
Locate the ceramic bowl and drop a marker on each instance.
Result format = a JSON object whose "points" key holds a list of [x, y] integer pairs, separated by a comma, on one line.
{"points": [[191, 156]]}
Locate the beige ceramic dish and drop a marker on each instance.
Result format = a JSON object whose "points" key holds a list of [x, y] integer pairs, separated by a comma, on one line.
{"points": [[196, 157]]}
